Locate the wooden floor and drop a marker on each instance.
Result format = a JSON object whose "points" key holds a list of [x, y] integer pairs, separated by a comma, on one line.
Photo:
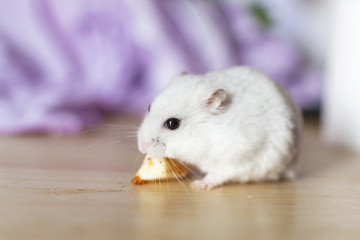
{"points": [[79, 187]]}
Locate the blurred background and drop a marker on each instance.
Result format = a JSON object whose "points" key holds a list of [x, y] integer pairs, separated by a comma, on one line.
{"points": [[66, 65], [76, 78]]}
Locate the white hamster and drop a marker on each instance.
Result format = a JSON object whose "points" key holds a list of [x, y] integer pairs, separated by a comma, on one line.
{"points": [[235, 125]]}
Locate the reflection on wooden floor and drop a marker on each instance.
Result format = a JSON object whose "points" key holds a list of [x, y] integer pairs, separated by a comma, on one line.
{"points": [[79, 187]]}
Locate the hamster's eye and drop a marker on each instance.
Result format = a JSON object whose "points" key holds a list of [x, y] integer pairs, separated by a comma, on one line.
{"points": [[172, 123], [149, 108]]}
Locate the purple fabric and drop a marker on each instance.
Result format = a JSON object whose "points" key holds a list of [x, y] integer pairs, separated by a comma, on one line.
{"points": [[63, 64]]}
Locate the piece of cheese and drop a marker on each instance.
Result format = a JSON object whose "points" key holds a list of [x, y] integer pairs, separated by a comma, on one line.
{"points": [[155, 169]]}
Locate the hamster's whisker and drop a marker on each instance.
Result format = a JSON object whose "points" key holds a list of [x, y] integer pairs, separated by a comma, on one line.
{"points": [[130, 136], [159, 184], [127, 147], [125, 140], [182, 173], [101, 142], [182, 184], [156, 187], [193, 172], [162, 144], [133, 126], [133, 146], [120, 140], [91, 130], [122, 129], [155, 184], [110, 127], [137, 157], [190, 170], [167, 184], [115, 141]]}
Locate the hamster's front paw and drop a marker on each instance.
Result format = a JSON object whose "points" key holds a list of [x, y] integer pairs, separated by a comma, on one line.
{"points": [[202, 184]]}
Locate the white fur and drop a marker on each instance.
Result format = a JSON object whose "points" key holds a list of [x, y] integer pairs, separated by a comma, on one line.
{"points": [[253, 135]]}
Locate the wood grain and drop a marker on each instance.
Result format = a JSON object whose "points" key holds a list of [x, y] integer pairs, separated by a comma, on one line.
{"points": [[79, 187]]}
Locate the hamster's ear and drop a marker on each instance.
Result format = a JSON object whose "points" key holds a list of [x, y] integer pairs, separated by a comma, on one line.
{"points": [[216, 100]]}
